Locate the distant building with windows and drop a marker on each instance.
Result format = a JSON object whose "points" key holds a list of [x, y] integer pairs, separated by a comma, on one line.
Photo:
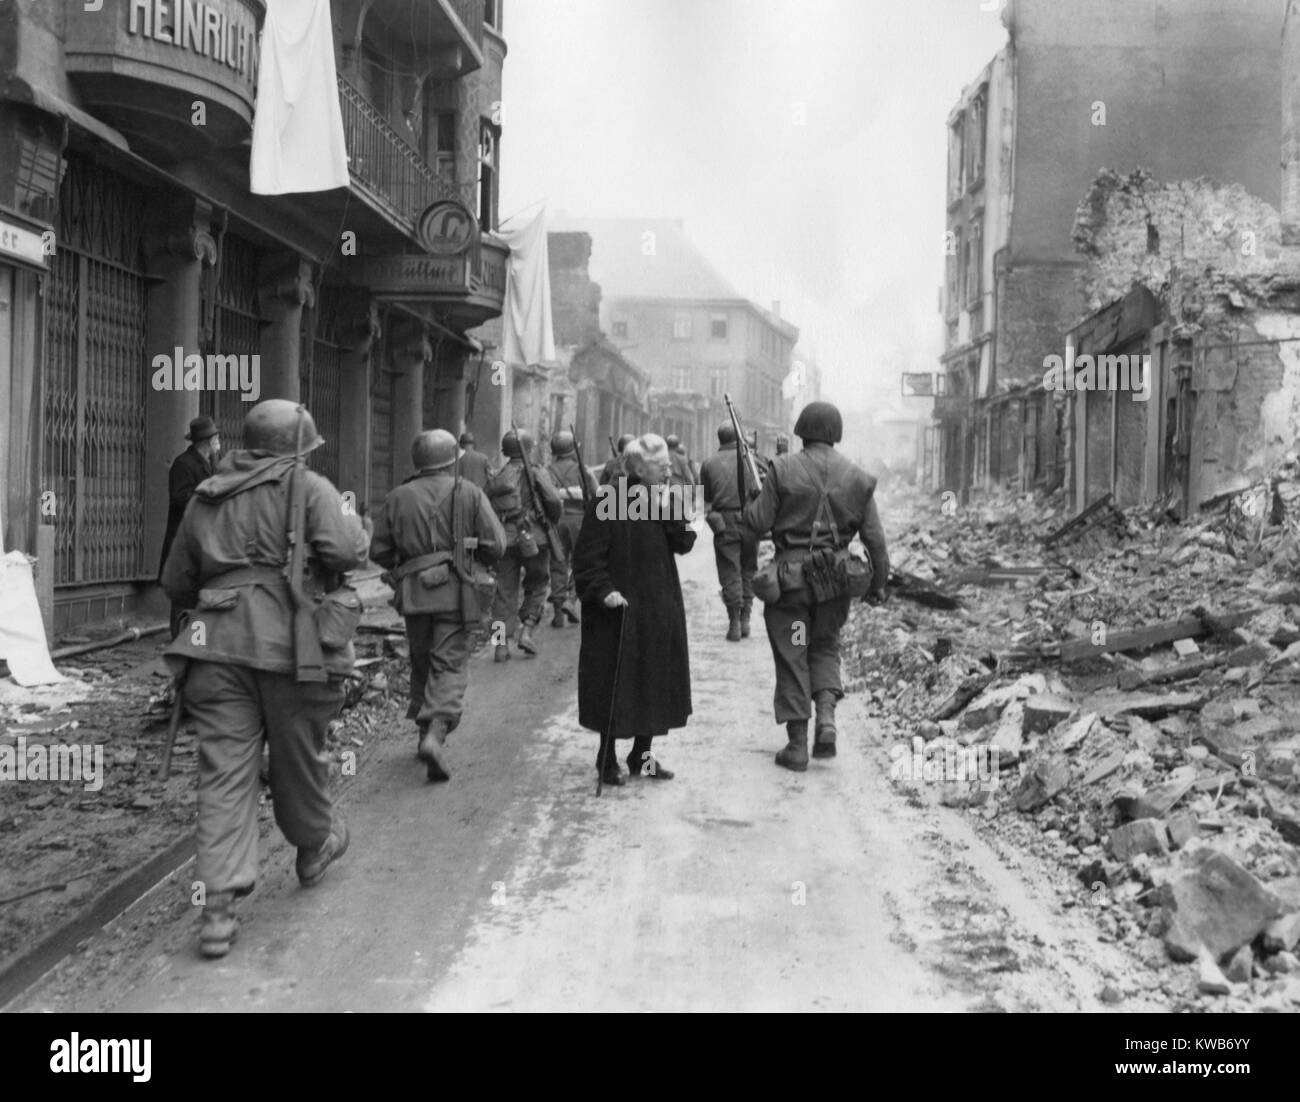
{"points": [[672, 314]]}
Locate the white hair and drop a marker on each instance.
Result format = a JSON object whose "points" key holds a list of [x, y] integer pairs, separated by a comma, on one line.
{"points": [[649, 448]]}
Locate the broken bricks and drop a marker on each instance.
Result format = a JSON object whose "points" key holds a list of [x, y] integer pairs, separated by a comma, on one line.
{"points": [[1218, 903]]}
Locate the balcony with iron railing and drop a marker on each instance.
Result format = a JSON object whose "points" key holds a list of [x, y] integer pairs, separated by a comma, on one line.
{"points": [[386, 168], [432, 28]]}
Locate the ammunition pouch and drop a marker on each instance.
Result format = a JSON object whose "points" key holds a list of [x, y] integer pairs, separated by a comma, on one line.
{"points": [[526, 544], [420, 585], [337, 617]]}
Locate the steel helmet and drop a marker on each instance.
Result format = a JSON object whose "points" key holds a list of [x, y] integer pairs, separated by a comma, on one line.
{"points": [[433, 450], [513, 446], [820, 421], [562, 443], [272, 426]]}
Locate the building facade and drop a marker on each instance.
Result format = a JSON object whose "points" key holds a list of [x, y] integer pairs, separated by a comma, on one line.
{"points": [[129, 239], [669, 312], [1182, 90]]}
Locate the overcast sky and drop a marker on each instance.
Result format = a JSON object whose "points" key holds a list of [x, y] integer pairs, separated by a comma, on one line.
{"points": [[801, 141]]}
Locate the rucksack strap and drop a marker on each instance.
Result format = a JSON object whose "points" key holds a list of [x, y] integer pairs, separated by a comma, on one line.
{"points": [[823, 504]]}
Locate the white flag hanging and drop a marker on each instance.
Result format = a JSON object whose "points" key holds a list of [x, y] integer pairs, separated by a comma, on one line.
{"points": [[529, 337], [298, 142]]}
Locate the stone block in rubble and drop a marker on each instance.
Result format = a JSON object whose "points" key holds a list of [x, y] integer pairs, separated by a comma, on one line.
{"points": [[1068, 735], [1182, 829], [1139, 836], [1240, 966], [1220, 903], [1157, 802], [1283, 933], [1007, 739], [1210, 980], [1048, 777], [1098, 871], [988, 706], [1249, 654], [1044, 711]]}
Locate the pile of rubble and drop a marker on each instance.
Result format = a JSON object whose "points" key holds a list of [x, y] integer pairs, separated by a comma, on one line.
{"points": [[1132, 690]]}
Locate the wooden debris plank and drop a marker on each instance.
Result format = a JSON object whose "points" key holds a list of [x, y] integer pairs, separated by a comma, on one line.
{"points": [[1075, 650]]}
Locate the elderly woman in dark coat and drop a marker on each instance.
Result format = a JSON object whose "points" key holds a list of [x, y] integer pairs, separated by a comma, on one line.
{"points": [[626, 577]]}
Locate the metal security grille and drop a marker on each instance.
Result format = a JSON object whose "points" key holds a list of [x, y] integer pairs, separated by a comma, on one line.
{"points": [[236, 331], [96, 378], [320, 377], [381, 432]]}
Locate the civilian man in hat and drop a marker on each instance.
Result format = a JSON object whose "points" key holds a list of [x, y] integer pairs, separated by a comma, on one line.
{"points": [[735, 547], [247, 680], [626, 573], [527, 554], [188, 469], [814, 500], [569, 478], [474, 465], [415, 541]]}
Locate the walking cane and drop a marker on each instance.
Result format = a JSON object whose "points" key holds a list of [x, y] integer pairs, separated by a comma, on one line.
{"points": [[613, 699]]}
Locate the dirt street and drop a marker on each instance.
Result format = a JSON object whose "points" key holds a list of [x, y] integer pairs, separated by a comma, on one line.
{"points": [[735, 886]]}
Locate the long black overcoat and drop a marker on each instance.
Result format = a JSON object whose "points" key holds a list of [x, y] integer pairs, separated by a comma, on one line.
{"points": [[635, 557]]}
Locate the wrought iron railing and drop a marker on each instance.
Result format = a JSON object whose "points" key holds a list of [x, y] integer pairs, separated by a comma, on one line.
{"points": [[385, 165]]}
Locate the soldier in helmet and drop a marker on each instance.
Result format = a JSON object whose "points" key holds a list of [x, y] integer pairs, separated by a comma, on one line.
{"points": [[229, 562], [614, 468], [734, 547], [811, 501], [680, 473], [526, 553], [415, 535], [568, 475]]}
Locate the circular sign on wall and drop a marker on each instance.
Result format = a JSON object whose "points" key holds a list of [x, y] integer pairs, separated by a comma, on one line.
{"points": [[447, 228]]}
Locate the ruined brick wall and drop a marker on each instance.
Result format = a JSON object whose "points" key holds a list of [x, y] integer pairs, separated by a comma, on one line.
{"points": [[575, 298], [1037, 303], [1136, 229]]}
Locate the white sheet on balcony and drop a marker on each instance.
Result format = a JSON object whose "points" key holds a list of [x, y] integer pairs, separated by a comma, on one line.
{"points": [[298, 142], [529, 337]]}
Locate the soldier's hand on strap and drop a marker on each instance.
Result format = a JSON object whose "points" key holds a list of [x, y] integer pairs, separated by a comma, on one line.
{"points": [[616, 600]]}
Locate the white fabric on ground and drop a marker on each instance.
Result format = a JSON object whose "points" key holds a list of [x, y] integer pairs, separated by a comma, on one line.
{"points": [[298, 142]]}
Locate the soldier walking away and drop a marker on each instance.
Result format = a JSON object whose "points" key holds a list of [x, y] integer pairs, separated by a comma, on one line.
{"points": [[614, 469], [681, 472], [813, 501], [568, 476], [431, 530], [192, 466], [267, 650], [626, 570], [526, 554], [735, 547], [474, 465]]}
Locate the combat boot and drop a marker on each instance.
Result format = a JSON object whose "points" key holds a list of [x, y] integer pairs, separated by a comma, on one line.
{"points": [[559, 619], [744, 622], [795, 755], [220, 926], [312, 863], [526, 643], [733, 628], [431, 751], [824, 739]]}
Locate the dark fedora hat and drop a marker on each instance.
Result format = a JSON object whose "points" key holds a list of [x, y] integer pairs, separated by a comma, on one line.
{"points": [[201, 428]]}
